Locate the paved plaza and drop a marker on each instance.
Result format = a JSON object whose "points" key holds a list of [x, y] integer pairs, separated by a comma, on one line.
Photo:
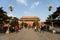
{"points": [[30, 34]]}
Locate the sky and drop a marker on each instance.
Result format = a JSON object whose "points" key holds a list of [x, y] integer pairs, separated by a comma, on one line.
{"points": [[30, 7]]}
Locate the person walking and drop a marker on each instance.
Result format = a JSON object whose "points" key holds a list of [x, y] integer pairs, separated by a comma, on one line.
{"points": [[35, 28], [16, 28]]}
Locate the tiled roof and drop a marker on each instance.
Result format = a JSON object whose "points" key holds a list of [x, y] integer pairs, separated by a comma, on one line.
{"points": [[29, 17]]}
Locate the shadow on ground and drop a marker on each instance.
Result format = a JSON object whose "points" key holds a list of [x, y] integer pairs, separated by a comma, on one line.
{"points": [[57, 32]]}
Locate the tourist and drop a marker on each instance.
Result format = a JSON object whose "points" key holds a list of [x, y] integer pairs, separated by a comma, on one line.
{"points": [[47, 28], [5, 27], [16, 28], [35, 28], [40, 29]]}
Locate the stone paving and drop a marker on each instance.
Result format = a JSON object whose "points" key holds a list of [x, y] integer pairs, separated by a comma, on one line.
{"points": [[30, 34]]}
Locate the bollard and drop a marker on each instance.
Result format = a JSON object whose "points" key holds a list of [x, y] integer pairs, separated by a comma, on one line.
{"points": [[7, 32], [54, 31]]}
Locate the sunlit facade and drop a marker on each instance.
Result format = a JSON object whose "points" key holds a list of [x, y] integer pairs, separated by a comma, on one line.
{"points": [[29, 20]]}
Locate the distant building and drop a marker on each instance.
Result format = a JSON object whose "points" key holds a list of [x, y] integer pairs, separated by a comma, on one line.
{"points": [[29, 20]]}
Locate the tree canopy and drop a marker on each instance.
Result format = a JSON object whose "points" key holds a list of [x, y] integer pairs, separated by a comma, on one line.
{"points": [[6, 19], [3, 15], [55, 17]]}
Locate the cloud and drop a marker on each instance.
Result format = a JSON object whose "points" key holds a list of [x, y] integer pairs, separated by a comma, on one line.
{"points": [[35, 4], [22, 1]]}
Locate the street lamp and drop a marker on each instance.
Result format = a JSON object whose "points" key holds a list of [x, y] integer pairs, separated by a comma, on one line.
{"points": [[50, 9], [11, 9]]}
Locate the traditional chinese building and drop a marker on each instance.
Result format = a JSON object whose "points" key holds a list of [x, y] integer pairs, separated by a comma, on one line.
{"points": [[29, 20]]}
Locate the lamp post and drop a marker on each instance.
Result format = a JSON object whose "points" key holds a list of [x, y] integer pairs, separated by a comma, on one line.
{"points": [[11, 9], [50, 9]]}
